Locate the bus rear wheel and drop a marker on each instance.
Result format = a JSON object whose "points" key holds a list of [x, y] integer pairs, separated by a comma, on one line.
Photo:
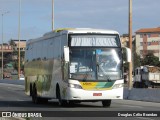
{"points": [[35, 98], [106, 103]]}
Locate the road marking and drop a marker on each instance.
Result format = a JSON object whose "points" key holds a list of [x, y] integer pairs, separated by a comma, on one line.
{"points": [[20, 100], [11, 85]]}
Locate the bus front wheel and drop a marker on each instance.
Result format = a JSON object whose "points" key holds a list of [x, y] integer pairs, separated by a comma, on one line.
{"points": [[60, 101], [106, 103]]}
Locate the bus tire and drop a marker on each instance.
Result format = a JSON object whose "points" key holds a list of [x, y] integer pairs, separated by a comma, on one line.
{"points": [[106, 103], [43, 100], [35, 98], [60, 101], [71, 103], [31, 89]]}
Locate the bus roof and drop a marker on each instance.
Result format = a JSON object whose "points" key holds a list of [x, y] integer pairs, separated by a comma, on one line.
{"points": [[83, 30], [73, 30], [90, 30]]}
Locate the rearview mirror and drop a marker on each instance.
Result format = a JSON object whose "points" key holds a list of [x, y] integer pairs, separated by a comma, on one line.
{"points": [[126, 54]]}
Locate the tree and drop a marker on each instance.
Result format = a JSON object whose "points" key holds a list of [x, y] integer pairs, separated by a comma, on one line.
{"points": [[150, 59], [12, 43], [22, 53], [136, 60], [136, 57]]}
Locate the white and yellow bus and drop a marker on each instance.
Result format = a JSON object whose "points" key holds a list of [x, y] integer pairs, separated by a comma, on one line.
{"points": [[75, 65]]}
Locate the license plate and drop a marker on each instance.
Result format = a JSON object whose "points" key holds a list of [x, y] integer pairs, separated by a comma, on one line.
{"points": [[97, 94]]}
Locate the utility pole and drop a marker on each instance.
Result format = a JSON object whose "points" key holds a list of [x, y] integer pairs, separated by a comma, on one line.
{"points": [[19, 30], [52, 15], [3, 13], [130, 44], [2, 46]]}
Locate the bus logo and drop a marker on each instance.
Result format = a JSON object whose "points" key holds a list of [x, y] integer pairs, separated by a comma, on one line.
{"points": [[87, 83]]}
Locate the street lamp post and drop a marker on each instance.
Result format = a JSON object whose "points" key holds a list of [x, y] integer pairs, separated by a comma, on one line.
{"points": [[2, 46], [130, 43], [3, 13], [52, 15], [19, 26]]}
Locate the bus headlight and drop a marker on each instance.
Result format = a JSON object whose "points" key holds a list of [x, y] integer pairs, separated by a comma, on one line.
{"points": [[118, 86], [74, 86]]}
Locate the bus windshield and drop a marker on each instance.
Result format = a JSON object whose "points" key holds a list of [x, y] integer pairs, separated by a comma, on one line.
{"points": [[95, 63]]}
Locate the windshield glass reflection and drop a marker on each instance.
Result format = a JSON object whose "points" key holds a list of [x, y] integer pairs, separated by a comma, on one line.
{"points": [[95, 64]]}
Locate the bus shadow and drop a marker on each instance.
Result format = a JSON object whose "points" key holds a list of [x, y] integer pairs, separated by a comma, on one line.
{"points": [[26, 104], [50, 104]]}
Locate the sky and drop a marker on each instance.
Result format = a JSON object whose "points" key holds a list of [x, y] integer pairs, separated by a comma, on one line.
{"points": [[36, 16]]}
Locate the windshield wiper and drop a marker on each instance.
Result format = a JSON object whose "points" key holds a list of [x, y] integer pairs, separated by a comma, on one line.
{"points": [[103, 72], [85, 77], [108, 78]]}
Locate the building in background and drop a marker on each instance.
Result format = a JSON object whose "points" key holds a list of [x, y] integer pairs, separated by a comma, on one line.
{"points": [[15, 44], [10, 58], [124, 40], [148, 41], [7, 52], [6, 48]]}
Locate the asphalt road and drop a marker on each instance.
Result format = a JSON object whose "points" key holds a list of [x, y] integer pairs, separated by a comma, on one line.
{"points": [[13, 98]]}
